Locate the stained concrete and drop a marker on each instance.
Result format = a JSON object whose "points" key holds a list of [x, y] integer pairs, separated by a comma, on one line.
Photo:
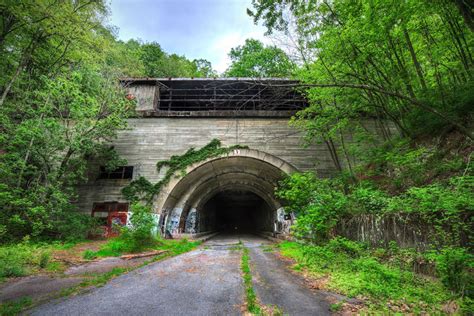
{"points": [[36, 287], [206, 281], [149, 140], [275, 285]]}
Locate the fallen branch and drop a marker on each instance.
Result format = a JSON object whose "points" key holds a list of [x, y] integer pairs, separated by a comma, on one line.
{"points": [[143, 254]]}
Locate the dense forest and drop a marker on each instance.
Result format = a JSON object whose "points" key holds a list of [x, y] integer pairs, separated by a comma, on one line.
{"points": [[407, 64], [60, 64]]}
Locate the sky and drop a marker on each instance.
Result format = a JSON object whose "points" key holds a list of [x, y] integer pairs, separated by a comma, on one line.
{"points": [[195, 28]]}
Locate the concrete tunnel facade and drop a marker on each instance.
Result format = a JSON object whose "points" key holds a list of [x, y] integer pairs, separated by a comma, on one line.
{"points": [[231, 193]]}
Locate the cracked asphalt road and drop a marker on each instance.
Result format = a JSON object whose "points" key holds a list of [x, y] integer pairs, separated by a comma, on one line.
{"points": [[205, 281]]}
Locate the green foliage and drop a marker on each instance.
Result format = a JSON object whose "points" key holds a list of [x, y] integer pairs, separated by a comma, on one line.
{"points": [[118, 246], [317, 203], [444, 207], [159, 64], [133, 238], [365, 199], [12, 308], [46, 156], [353, 271], [24, 258], [44, 259], [379, 59], [139, 234], [454, 266], [89, 254], [250, 296], [404, 164], [142, 189], [335, 307], [61, 105], [255, 60]]}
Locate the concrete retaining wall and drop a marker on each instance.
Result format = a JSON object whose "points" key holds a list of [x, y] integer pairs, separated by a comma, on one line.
{"points": [[151, 139]]}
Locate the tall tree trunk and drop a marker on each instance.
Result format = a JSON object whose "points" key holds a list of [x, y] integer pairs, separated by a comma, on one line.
{"points": [[333, 152], [22, 63], [419, 71], [346, 155], [466, 8]]}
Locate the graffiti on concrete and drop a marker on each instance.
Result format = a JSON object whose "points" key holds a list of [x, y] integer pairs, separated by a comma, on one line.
{"points": [[173, 221], [192, 222], [283, 222]]}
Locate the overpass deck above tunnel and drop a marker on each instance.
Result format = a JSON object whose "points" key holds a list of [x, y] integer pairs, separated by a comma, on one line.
{"points": [[248, 97]]}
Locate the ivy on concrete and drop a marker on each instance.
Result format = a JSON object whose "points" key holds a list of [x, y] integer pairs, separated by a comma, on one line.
{"points": [[143, 190]]}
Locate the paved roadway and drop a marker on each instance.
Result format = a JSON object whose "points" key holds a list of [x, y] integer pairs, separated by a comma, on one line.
{"points": [[206, 281]]}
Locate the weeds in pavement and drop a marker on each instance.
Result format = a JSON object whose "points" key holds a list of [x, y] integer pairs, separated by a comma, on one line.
{"points": [[251, 297], [14, 307]]}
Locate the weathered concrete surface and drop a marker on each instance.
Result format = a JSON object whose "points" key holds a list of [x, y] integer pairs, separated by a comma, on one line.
{"points": [[206, 281], [36, 287], [41, 287], [150, 140], [105, 265], [275, 285]]}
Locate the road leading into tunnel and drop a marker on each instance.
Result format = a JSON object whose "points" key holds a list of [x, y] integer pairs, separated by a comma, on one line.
{"points": [[205, 281]]}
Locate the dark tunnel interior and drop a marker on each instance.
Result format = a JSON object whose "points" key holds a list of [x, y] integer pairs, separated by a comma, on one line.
{"points": [[236, 211]]}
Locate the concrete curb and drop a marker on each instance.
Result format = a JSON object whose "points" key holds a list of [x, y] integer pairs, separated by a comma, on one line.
{"points": [[205, 237]]}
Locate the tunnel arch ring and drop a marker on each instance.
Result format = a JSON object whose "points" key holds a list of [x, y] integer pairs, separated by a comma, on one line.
{"points": [[257, 171]]}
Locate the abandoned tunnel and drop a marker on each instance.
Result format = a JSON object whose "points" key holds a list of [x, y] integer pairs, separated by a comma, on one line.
{"points": [[234, 193], [236, 211]]}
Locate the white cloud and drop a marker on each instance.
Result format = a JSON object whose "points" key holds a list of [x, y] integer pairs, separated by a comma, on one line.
{"points": [[221, 46], [197, 29]]}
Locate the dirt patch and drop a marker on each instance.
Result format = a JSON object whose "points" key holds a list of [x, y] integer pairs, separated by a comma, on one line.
{"points": [[75, 270], [35, 287], [73, 256]]}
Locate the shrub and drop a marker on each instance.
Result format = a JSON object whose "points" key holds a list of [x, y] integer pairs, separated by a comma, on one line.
{"points": [[318, 204], [89, 254], [15, 258], [354, 272], [139, 234], [454, 267], [349, 247], [444, 207], [44, 258], [368, 200], [74, 226]]}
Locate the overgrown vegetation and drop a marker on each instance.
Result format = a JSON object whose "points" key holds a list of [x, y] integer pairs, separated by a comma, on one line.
{"points": [[61, 104], [255, 60], [353, 269], [250, 296], [444, 204], [408, 68], [26, 257], [116, 247], [390, 91], [139, 236], [143, 190], [433, 204], [15, 307]]}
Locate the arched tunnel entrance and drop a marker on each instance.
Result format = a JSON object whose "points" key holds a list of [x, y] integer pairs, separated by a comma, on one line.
{"points": [[231, 193], [237, 211]]}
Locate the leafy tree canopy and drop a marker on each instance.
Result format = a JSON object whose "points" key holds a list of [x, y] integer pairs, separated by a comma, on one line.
{"points": [[61, 105], [255, 60]]}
